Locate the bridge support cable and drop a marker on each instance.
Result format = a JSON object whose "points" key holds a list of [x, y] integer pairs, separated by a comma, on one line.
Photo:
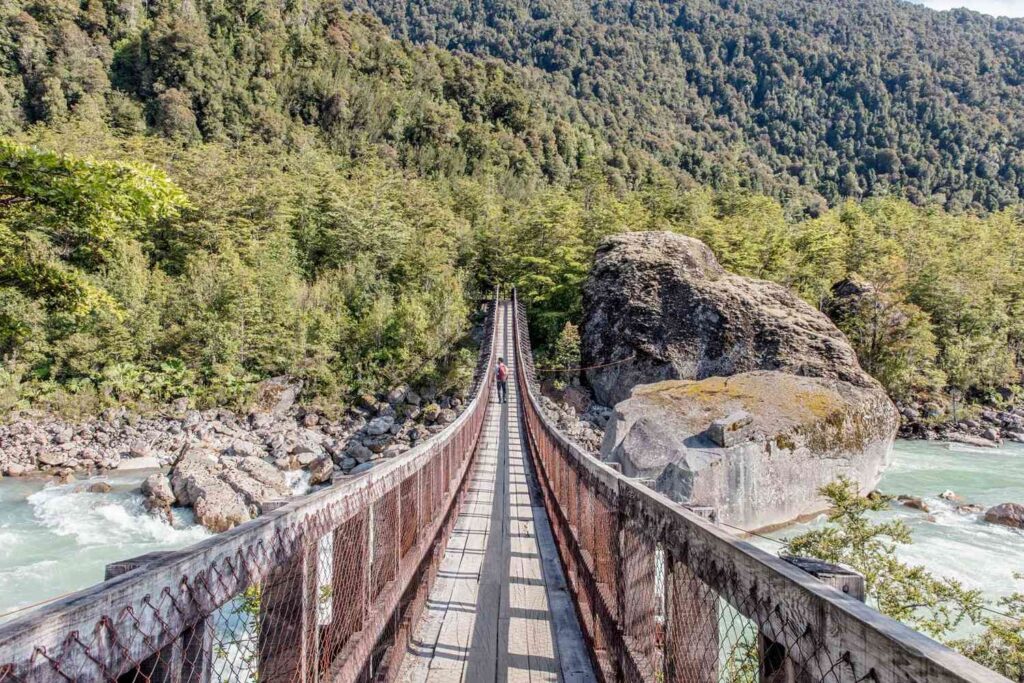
{"points": [[665, 595], [326, 587]]}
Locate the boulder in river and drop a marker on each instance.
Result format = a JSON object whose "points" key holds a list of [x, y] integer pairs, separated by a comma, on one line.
{"points": [[225, 492], [755, 446], [1006, 514], [658, 306]]}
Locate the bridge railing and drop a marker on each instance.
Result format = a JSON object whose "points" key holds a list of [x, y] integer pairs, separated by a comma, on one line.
{"points": [[664, 595], [325, 587]]}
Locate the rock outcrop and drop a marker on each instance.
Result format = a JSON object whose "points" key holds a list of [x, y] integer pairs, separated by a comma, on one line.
{"points": [[659, 306], [756, 446], [731, 392]]}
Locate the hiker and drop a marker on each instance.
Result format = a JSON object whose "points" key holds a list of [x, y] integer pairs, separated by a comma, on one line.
{"points": [[501, 373]]}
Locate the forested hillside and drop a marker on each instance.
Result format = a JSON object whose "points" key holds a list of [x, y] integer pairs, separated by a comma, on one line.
{"points": [[240, 191], [195, 196], [794, 97]]}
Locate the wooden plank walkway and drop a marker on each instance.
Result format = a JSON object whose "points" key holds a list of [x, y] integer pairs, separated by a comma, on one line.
{"points": [[499, 609]]}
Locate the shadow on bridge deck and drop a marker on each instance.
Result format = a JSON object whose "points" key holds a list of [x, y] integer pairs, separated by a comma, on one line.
{"points": [[499, 609]]}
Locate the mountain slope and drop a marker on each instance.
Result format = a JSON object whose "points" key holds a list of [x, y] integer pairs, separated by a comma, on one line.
{"points": [[846, 98]]}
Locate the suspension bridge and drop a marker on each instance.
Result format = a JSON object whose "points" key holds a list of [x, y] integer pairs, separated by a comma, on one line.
{"points": [[495, 551]]}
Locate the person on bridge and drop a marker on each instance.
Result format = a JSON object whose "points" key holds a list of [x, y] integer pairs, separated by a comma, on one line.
{"points": [[501, 374]]}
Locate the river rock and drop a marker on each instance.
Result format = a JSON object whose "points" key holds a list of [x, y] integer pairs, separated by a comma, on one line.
{"points": [[53, 458], [224, 494], [1006, 514], [795, 435], [156, 488], [380, 425], [397, 395], [16, 470], [914, 502], [992, 434], [659, 306], [970, 439], [358, 452], [321, 471], [363, 467], [146, 463], [278, 394]]}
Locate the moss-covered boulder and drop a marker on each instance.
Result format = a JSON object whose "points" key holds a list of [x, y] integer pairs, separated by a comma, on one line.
{"points": [[755, 446], [659, 306]]}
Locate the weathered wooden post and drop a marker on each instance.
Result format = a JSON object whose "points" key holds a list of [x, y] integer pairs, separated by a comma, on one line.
{"points": [[187, 659], [287, 640], [776, 666]]}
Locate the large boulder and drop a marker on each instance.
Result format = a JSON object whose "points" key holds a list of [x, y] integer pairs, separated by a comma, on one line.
{"points": [[224, 491], [278, 394], [756, 446], [1007, 514], [659, 306]]}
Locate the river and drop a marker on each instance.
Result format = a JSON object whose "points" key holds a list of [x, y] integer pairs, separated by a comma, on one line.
{"points": [[56, 539], [958, 546]]}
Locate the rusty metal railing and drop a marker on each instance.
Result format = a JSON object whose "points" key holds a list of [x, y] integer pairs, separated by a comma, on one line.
{"points": [[663, 595], [325, 587]]}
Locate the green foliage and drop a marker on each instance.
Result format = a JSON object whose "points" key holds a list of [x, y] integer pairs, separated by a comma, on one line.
{"points": [[931, 604], [911, 594], [350, 279], [941, 293], [565, 354], [1000, 646], [349, 194], [802, 100]]}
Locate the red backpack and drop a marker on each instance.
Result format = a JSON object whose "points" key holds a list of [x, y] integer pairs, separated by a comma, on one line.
{"points": [[502, 372]]}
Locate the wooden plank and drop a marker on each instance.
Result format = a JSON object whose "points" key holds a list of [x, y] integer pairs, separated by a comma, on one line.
{"points": [[441, 640]]}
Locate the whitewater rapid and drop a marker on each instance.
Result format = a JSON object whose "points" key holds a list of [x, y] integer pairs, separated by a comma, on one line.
{"points": [[57, 539]]}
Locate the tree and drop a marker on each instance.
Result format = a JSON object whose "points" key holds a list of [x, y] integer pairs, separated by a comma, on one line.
{"points": [[910, 594], [565, 354], [1000, 646]]}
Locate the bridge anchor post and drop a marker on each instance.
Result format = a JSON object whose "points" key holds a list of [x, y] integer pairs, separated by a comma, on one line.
{"points": [[775, 664]]}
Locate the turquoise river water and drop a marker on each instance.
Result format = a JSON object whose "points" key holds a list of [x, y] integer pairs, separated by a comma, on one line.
{"points": [[56, 539]]}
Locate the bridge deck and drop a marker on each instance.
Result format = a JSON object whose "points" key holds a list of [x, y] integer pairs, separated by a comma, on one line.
{"points": [[499, 609]]}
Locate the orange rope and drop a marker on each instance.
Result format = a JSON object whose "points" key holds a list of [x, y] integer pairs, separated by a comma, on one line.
{"points": [[589, 367]]}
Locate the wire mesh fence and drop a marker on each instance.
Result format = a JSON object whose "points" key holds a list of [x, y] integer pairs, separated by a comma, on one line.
{"points": [[325, 587], [664, 595]]}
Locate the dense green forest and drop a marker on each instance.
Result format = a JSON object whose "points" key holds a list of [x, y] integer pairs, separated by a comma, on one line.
{"points": [[195, 196], [802, 99]]}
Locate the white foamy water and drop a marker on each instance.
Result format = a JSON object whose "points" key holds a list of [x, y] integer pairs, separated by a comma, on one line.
{"points": [[952, 544], [57, 539]]}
